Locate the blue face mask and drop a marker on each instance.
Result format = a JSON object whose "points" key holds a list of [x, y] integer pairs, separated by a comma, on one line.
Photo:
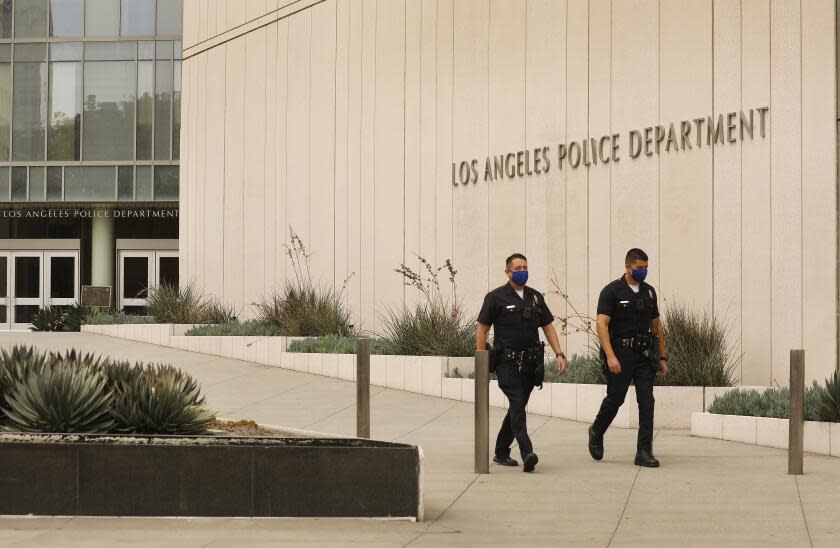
{"points": [[639, 274], [520, 277]]}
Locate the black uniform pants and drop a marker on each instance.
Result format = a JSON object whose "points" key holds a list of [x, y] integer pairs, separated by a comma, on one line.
{"points": [[636, 368], [517, 387]]}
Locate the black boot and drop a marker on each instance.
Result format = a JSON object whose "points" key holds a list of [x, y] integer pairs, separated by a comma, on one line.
{"points": [[530, 461], [505, 461], [596, 445], [644, 458]]}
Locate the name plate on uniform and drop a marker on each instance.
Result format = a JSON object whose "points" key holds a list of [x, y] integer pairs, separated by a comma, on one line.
{"points": [[96, 296]]}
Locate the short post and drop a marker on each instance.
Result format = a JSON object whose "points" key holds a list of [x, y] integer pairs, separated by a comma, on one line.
{"points": [[363, 388], [796, 424], [482, 412]]}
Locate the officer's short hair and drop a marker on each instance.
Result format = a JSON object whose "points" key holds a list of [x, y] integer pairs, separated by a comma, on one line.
{"points": [[513, 257], [634, 255]]}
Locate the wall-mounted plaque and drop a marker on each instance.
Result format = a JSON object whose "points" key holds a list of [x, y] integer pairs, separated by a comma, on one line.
{"points": [[96, 296]]}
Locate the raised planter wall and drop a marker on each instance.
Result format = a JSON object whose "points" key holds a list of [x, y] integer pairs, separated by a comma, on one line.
{"points": [[63, 475], [428, 375], [821, 438]]}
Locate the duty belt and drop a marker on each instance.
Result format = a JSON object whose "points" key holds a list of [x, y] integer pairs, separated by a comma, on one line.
{"points": [[634, 343], [532, 353]]}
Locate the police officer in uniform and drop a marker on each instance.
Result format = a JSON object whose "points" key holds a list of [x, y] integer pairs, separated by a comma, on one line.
{"points": [[632, 349], [517, 312]]}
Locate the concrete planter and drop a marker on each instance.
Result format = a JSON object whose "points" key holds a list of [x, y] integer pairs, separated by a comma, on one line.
{"points": [[315, 363], [347, 367], [820, 437], [395, 372], [414, 374], [564, 400], [497, 397], [301, 362], [540, 400], [329, 365], [674, 405], [465, 366], [378, 370], [208, 476], [433, 367], [451, 388], [589, 398]]}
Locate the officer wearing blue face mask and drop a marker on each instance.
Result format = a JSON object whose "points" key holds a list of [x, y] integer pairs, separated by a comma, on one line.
{"points": [[632, 350], [517, 312]]}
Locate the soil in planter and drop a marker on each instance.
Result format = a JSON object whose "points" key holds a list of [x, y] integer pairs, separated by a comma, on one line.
{"points": [[246, 429]]}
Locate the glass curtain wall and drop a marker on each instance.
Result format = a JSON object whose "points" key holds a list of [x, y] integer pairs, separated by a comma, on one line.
{"points": [[90, 100]]}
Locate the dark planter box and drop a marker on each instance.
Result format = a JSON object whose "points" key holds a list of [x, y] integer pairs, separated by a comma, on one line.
{"points": [[95, 475]]}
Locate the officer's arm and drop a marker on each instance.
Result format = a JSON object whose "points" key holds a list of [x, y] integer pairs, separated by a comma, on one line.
{"points": [[481, 336], [602, 323], [656, 327]]}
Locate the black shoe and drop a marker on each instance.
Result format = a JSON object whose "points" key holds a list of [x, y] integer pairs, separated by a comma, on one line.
{"points": [[531, 461], [644, 458], [596, 445], [505, 461]]}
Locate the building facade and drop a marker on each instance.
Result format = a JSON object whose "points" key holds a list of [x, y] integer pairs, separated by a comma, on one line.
{"points": [[90, 94], [703, 131]]}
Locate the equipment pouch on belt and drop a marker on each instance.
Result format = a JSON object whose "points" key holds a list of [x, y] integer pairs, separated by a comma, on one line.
{"points": [[652, 351]]}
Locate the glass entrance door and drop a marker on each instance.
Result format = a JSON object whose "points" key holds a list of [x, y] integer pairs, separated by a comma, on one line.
{"points": [[62, 277], [140, 270], [27, 289]]}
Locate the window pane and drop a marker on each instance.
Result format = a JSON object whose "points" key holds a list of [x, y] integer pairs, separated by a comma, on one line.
{"points": [[166, 183], [144, 184], [138, 18], [70, 51], [102, 17], [66, 17], [125, 183], [30, 108], [64, 133], [178, 49], [163, 50], [135, 277], [5, 53], [4, 184], [36, 184], [109, 110], [54, 184], [30, 18], [169, 17], [62, 277], [89, 184], [5, 18], [145, 112], [110, 51], [168, 271], [176, 113], [145, 50], [5, 110], [30, 52], [27, 278], [163, 109], [19, 184]]}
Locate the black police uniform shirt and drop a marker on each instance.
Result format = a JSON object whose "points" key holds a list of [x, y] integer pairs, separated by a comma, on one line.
{"points": [[516, 319], [630, 312]]}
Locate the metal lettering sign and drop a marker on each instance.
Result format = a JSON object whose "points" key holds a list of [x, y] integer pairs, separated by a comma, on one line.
{"points": [[96, 296]]}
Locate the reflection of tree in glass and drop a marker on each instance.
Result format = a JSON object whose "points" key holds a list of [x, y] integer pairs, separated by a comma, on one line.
{"points": [[144, 126], [108, 129], [65, 137]]}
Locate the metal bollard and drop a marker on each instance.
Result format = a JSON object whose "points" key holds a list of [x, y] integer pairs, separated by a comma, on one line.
{"points": [[482, 412], [363, 388], [796, 425]]}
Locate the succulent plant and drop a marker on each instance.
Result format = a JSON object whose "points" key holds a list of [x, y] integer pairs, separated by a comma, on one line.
{"points": [[74, 317], [58, 398], [50, 318], [828, 406]]}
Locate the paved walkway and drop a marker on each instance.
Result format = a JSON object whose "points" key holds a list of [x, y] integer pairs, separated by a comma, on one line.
{"points": [[708, 492]]}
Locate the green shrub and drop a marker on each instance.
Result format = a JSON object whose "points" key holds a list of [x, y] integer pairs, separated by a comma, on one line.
{"points": [[216, 312], [698, 351], [158, 400], [579, 370], [53, 392], [303, 308], [773, 403], [170, 304], [250, 328], [827, 407], [116, 318], [331, 344], [50, 318], [59, 398], [436, 326], [74, 316]]}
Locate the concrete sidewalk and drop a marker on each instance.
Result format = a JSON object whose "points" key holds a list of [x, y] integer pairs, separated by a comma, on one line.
{"points": [[707, 492]]}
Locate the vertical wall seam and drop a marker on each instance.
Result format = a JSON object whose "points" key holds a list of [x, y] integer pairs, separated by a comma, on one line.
{"points": [[224, 169], [770, 179], [335, 141], [714, 299], [487, 146], [405, 130], [244, 194], [801, 194], [741, 190]]}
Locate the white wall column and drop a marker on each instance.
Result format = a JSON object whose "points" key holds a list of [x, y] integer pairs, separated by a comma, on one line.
{"points": [[102, 250]]}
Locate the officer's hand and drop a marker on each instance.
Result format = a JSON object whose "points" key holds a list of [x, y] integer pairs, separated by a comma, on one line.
{"points": [[663, 368], [614, 365], [561, 364]]}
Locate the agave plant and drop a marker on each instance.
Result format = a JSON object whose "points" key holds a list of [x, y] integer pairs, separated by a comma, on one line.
{"points": [[74, 316], [159, 400], [59, 398], [828, 406], [50, 318]]}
